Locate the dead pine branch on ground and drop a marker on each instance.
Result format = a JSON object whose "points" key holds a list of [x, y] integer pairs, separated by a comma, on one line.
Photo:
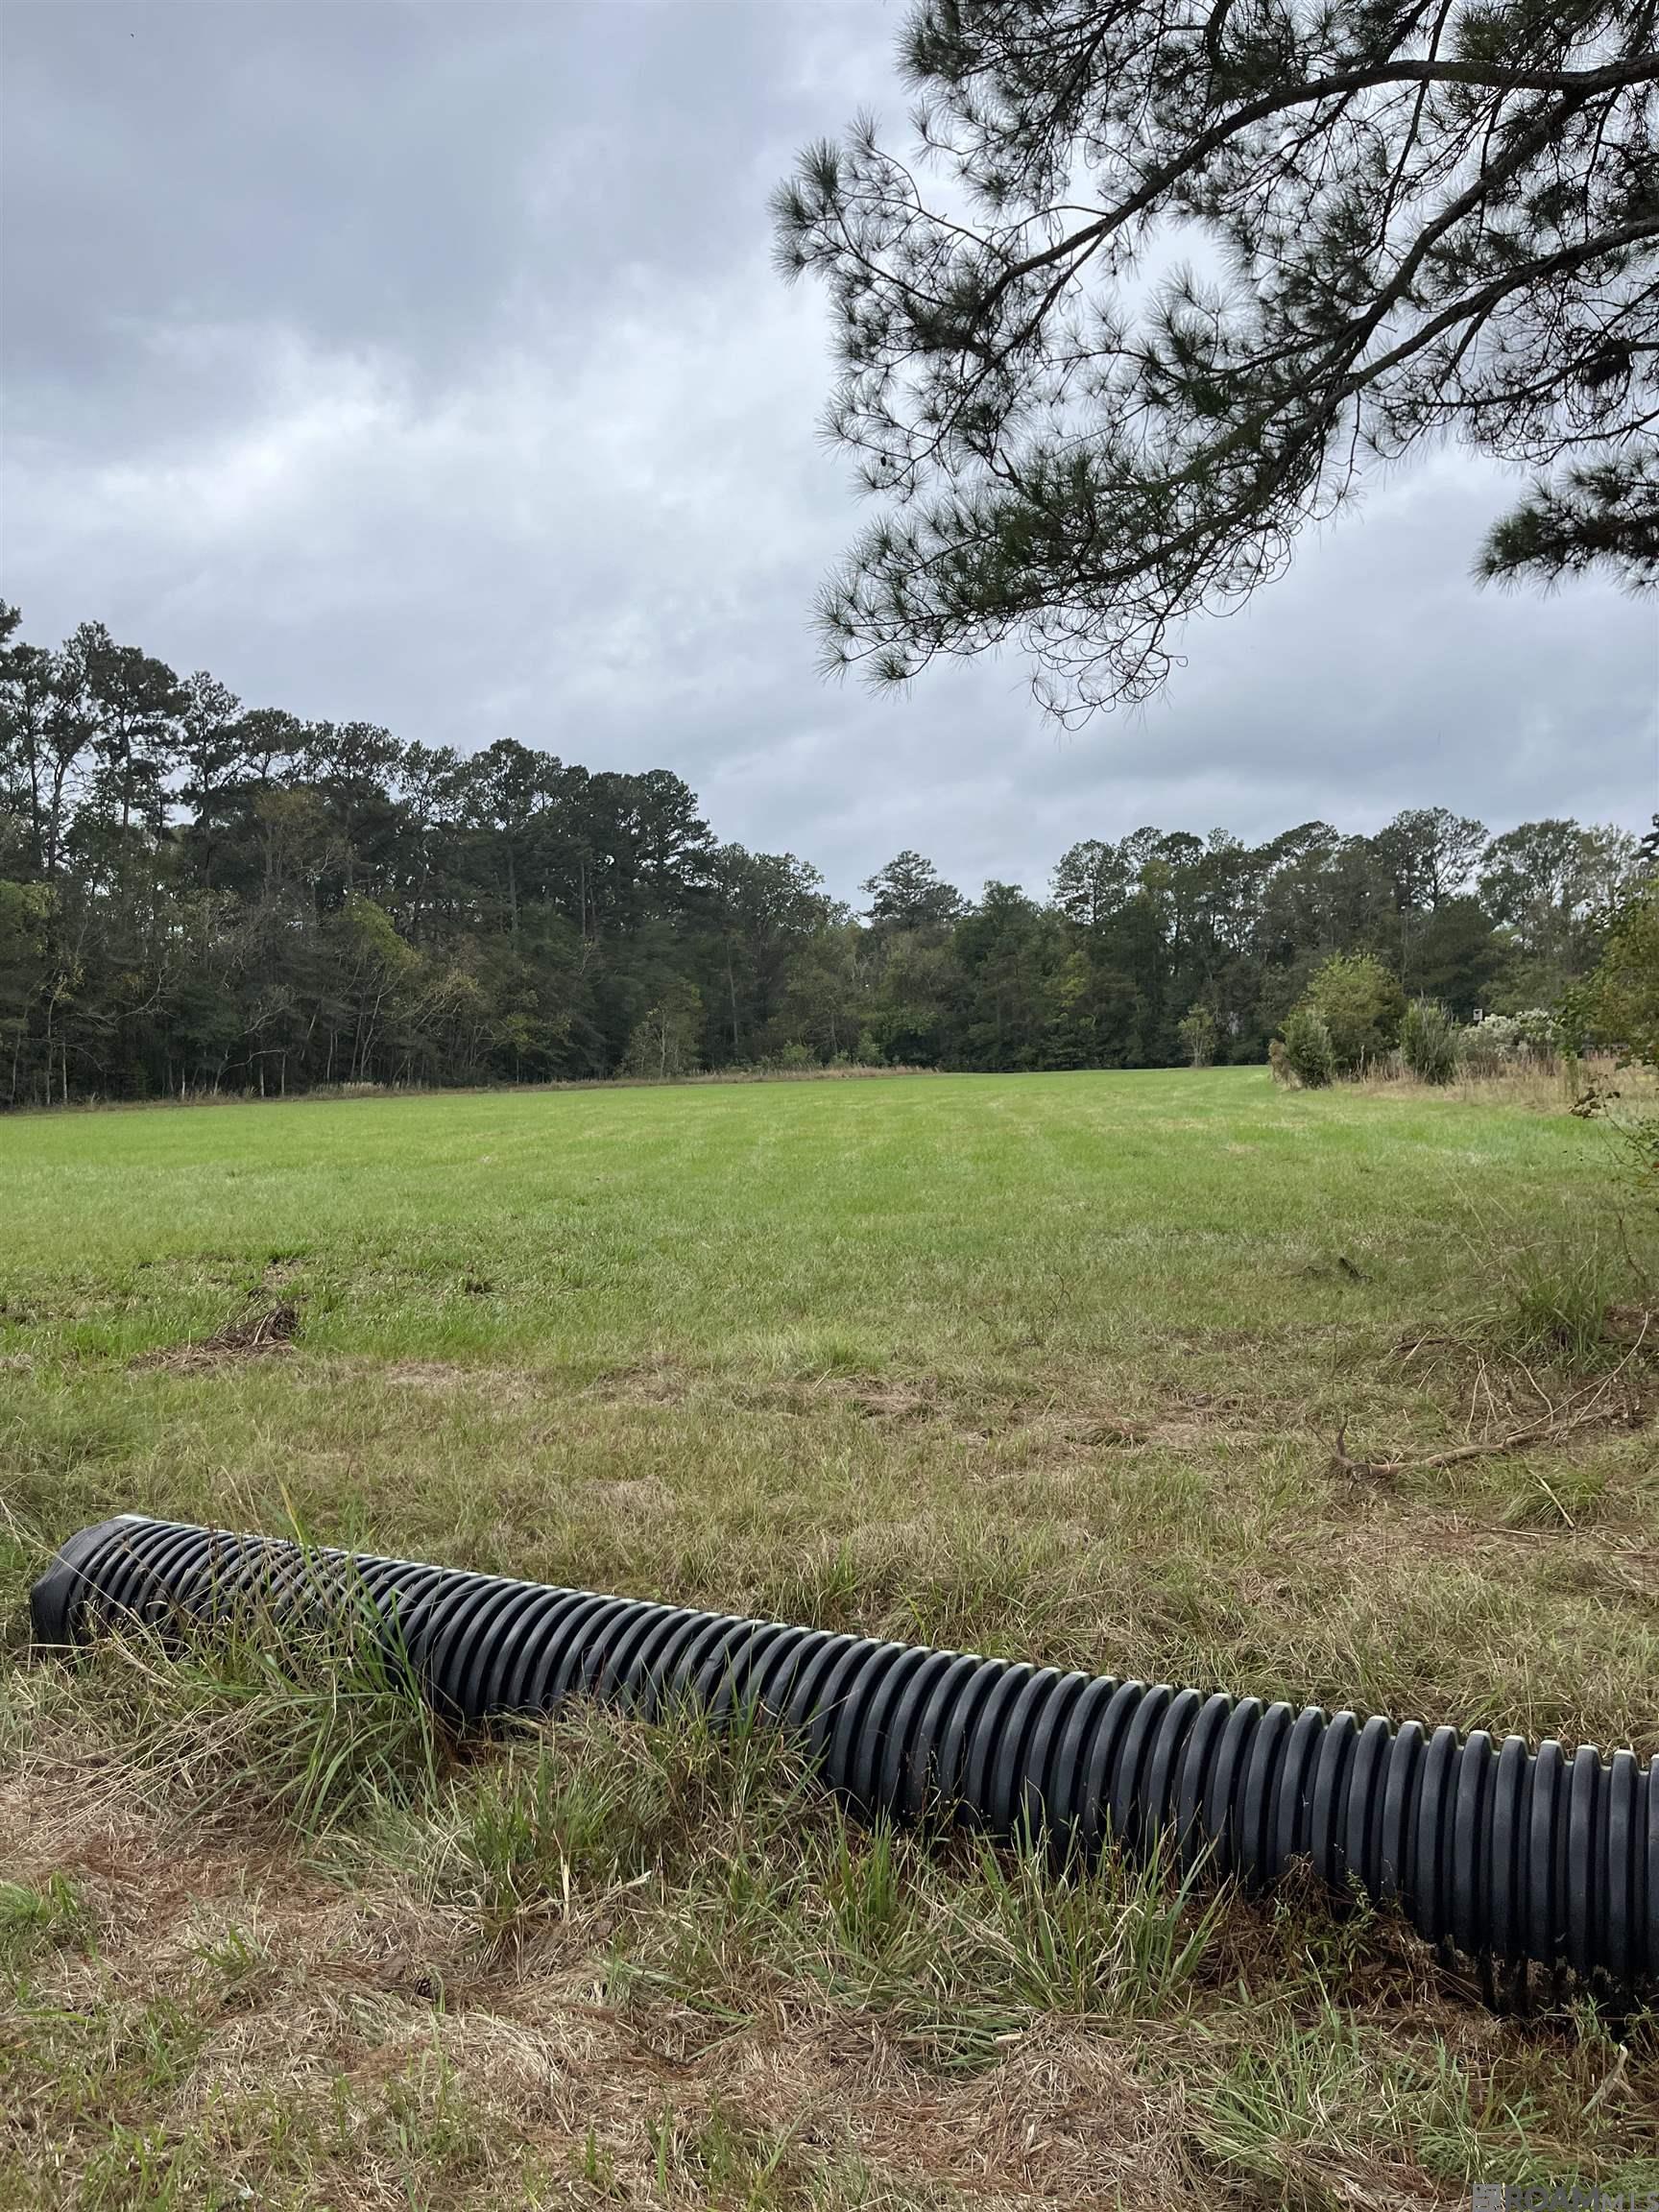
{"points": [[1598, 1407], [267, 1329], [1490, 1447]]}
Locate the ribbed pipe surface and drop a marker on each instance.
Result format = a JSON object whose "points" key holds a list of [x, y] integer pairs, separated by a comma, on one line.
{"points": [[1505, 1854]]}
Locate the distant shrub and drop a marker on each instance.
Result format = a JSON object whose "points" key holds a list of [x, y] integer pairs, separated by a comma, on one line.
{"points": [[1494, 1041], [1199, 1033], [1308, 1051], [1541, 1031], [1428, 1042], [1361, 1006]]}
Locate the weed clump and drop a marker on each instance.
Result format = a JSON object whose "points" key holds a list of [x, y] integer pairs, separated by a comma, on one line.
{"points": [[1551, 1302], [596, 1802], [314, 1720], [38, 1918]]}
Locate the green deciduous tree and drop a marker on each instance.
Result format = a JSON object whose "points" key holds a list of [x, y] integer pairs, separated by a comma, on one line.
{"points": [[1621, 1004], [26, 911], [1621, 1000], [665, 1039], [1551, 885], [1361, 1006], [1197, 1033]]}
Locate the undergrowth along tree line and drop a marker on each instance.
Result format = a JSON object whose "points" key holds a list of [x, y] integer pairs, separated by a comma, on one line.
{"points": [[1354, 1020], [199, 895]]}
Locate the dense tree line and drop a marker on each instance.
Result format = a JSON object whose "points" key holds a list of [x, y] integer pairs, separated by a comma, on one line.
{"points": [[200, 896]]}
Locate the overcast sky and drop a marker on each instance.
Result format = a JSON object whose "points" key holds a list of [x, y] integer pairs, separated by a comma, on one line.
{"points": [[425, 365]]}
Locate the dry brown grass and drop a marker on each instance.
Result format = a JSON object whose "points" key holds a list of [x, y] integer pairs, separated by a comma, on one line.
{"points": [[1532, 1085], [685, 1983]]}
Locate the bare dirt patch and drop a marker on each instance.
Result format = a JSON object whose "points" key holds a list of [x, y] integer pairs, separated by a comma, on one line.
{"points": [[900, 1400], [1192, 1422], [1052, 1424], [653, 1383], [447, 1377], [1632, 1325], [642, 1494], [438, 1379]]}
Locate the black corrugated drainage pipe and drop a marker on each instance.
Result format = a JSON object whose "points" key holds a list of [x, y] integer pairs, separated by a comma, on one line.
{"points": [[1503, 1853]]}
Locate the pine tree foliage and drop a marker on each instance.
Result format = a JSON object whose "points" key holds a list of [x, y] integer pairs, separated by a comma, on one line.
{"points": [[1165, 276]]}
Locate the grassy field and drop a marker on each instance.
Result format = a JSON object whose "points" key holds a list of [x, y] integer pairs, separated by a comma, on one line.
{"points": [[1048, 1365]]}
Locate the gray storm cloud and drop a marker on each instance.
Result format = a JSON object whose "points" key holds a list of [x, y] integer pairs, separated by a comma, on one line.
{"points": [[425, 363]]}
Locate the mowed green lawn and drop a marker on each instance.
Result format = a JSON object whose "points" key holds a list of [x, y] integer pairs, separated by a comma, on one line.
{"points": [[1046, 1365]]}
